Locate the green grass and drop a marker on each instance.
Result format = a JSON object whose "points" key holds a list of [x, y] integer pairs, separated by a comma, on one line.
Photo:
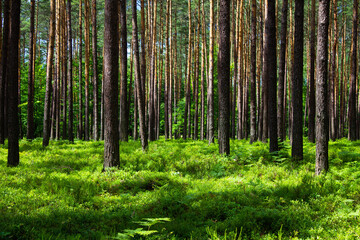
{"points": [[60, 192]]}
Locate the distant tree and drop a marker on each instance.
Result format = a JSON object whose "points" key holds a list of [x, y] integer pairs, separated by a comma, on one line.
{"points": [[297, 82], [224, 77], [322, 116], [12, 84], [49, 73], [111, 72]]}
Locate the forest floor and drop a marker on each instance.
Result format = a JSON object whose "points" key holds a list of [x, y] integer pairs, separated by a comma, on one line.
{"points": [[179, 190]]}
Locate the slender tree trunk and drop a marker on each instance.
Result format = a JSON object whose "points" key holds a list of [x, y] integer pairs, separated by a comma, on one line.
{"points": [[80, 130], [124, 113], [224, 77], [196, 77], [322, 119], [311, 120], [270, 72], [111, 72], [203, 70], [152, 93], [30, 107], [138, 79], [12, 84], [70, 75], [281, 86], [49, 73], [297, 102], [87, 70], [333, 80], [210, 87], [188, 81], [167, 72], [352, 93], [64, 60], [95, 72], [253, 136]]}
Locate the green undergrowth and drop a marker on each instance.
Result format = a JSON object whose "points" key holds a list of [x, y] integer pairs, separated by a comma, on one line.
{"points": [[179, 190]]}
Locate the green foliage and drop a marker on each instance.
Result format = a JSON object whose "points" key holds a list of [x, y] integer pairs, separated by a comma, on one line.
{"points": [[60, 192]]}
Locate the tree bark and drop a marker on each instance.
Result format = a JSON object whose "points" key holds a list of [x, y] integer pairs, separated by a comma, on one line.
{"points": [[138, 80], [280, 109], [210, 87], [49, 73], [30, 107], [80, 127], [352, 94], [311, 120], [111, 72], [322, 119], [297, 82], [124, 113], [12, 84], [253, 136], [224, 77], [70, 75], [188, 81], [4, 44], [87, 70], [95, 72], [270, 73]]}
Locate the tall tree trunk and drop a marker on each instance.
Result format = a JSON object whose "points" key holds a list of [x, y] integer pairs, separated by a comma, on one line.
{"points": [[322, 118], [30, 107], [196, 76], [352, 93], [138, 80], [311, 120], [64, 69], [210, 87], [95, 72], [353, 75], [297, 102], [70, 75], [253, 136], [240, 72], [152, 92], [49, 73], [111, 72], [188, 81], [87, 70], [4, 49], [270, 72], [12, 84], [124, 113], [80, 127], [167, 72], [203, 70], [280, 109], [224, 77], [333, 80]]}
